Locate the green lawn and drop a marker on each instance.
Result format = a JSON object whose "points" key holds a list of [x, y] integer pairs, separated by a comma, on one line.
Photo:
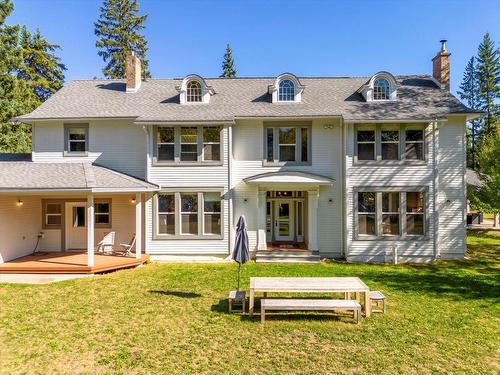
{"points": [[171, 318]]}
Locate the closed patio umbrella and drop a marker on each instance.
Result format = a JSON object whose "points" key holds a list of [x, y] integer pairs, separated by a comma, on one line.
{"points": [[241, 252]]}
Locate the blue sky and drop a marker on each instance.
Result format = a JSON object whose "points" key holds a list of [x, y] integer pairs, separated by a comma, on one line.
{"points": [[307, 38]]}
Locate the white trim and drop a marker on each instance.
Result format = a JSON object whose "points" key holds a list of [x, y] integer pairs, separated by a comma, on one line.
{"points": [[292, 177]]}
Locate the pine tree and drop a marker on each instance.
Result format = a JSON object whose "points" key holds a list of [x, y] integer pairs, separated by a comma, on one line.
{"points": [[488, 71], [41, 69], [228, 69], [14, 97], [469, 93], [118, 31]]}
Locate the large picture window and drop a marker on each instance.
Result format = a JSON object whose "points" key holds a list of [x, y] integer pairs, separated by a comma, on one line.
{"points": [[287, 144], [390, 142], [193, 144], [188, 215], [390, 214]]}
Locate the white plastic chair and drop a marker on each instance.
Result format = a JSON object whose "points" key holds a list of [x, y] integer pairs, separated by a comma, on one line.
{"points": [[127, 247]]}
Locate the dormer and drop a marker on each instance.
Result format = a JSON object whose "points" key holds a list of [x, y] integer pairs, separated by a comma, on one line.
{"points": [[380, 88], [286, 89], [194, 90]]}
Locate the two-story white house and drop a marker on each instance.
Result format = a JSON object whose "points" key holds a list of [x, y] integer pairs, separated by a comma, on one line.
{"points": [[333, 167]]}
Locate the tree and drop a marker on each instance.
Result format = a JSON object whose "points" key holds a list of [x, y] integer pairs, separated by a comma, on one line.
{"points": [[469, 93], [228, 69], [29, 73], [487, 197], [41, 69], [488, 72], [14, 97], [118, 31]]}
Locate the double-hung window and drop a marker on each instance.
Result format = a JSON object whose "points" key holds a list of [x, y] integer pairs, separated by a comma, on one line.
{"points": [[76, 139], [415, 213], [102, 212], [414, 144], [192, 144], [287, 144], [188, 214], [366, 144], [390, 214], [390, 142], [189, 144], [53, 212], [166, 213]]}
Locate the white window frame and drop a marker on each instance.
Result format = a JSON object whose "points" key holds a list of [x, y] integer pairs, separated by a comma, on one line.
{"points": [[204, 143], [298, 144], [378, 128], [200, 160], [194, 94], [403, 235], [67, 142], [179, 235]]}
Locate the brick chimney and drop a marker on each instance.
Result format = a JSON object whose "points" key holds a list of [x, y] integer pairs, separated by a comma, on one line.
{"points": [[133, 73], [441, 66]]}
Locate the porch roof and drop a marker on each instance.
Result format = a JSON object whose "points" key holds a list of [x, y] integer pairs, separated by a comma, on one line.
{"points": [[67, 177], [289, 178]]}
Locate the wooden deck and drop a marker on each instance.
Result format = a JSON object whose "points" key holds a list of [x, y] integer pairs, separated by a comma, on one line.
{"points": [[68, 263]]}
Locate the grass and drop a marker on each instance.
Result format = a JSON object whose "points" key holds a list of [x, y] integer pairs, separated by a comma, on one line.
{"points": [[172, 318]]}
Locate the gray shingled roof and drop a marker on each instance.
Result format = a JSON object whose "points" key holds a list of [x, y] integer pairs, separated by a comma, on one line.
{"points": [[29, 176], [157, 100]]}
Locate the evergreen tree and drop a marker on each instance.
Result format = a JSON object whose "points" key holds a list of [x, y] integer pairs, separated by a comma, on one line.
{"points": [[488, 71], [487, 198], [469, 93], [14, 97], [118, 31], [228, 69], [41, 69]]}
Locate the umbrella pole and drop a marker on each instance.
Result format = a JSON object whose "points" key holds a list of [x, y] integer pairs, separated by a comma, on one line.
{"points": [[239, 275]]}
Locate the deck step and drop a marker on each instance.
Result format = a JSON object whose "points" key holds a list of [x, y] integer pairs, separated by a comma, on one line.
{"points": [[287, 257]]}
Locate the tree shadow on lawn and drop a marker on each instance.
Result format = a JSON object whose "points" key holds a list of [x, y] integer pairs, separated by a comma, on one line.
{"points": [[175, 293], [438, 280]]}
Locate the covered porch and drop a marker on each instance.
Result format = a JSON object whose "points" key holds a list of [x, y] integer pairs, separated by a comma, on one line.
{"points": [[70, 219], [287, 215]]}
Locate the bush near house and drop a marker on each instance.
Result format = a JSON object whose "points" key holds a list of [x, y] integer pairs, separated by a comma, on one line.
{"points": [[172, 318]]}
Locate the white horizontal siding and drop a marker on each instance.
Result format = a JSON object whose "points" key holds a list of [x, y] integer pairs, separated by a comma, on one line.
{"points": [[452, 201], [115, 144], [181, 177], [400, 176], [248, 153]]}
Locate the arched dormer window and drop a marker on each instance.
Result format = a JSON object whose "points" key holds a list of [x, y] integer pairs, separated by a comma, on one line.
{"points": [[193, 91], [286, 91], [286, 88], [381, 89]]}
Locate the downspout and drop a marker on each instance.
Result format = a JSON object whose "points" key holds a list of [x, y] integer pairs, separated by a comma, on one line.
{"points": [[229, 190], [344, 182], [434, 192], [146, 132]]}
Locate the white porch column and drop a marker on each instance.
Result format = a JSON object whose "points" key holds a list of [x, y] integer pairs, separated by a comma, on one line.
{"points": [[312, 219], [90, 230], [261, 221], [138, 225]]}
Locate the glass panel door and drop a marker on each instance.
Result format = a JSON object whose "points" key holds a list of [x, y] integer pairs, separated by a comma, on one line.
{"points": [[284, 230]]}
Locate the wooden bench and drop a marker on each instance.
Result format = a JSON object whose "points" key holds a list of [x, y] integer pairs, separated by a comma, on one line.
{"points": [[377, 299], [309, 305], [237, 301]]}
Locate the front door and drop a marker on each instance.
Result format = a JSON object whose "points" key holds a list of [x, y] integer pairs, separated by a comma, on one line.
{"points": [[283, 225], [76, 226]]}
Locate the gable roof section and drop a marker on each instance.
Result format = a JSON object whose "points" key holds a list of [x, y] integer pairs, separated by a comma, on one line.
{"points": [[157, 100], [68, 177]]}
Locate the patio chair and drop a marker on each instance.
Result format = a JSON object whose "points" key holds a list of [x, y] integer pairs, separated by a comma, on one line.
{"points": [[107, 244], [126, 247]]}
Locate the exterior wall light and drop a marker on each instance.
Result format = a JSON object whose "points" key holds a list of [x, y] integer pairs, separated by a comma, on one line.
{"points": [[132, 200], [19, 203]]}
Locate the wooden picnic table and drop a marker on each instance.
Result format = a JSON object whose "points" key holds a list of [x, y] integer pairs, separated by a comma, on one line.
{"points": [[309, 285]]}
